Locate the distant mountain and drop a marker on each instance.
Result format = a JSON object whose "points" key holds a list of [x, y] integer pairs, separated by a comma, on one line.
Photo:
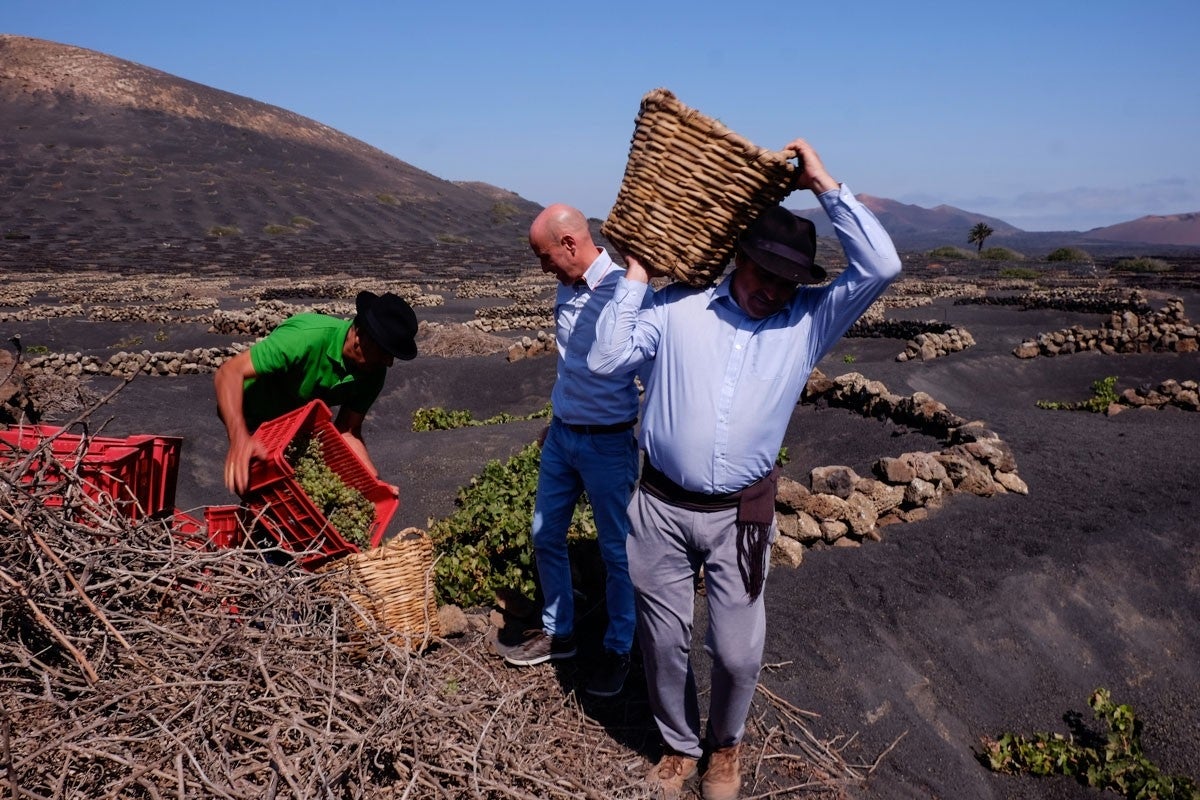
{"points": [[95, 147], [100, 156], [1173, 229], [916, 228], [907, 223]]}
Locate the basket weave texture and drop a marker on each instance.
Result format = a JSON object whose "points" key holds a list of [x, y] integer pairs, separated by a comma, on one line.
{"points": [[691, 186], [393, 585]]}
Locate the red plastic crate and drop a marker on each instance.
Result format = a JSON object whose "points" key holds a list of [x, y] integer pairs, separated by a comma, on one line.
{"points": [[108, 467], [224, 524], [291, 517], [143, 486], [221, 529], [159, 471], [187, 529]]}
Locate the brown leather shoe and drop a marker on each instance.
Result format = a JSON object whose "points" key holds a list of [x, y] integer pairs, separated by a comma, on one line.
{"points": [[723, 777], [670, 773]]}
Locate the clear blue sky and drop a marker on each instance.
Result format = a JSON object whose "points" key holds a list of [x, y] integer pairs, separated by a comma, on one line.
{"points": [[1048, 114]]}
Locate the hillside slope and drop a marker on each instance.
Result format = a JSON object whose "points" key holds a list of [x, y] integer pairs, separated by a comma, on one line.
{"points": [[94, 146]]}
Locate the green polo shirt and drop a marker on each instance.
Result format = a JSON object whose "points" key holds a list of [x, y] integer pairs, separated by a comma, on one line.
{"points": [[301, 360]]}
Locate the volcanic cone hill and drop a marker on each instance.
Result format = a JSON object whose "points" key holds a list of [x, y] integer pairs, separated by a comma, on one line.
{"points": [[100, 149]]}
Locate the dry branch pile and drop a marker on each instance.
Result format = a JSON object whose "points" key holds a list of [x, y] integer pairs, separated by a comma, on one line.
{"points": [[133, 665]]}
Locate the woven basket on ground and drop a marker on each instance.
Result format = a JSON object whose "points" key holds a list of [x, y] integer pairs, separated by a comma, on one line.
{"points": [[691, 186], [393, 585]]}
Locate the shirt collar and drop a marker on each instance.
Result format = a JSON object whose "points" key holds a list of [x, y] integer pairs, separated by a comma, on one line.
{"points": [[719, 293], [597, 270]]}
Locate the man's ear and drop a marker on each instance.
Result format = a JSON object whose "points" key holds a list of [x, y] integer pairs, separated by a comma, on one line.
{"points": [[568, 242]]}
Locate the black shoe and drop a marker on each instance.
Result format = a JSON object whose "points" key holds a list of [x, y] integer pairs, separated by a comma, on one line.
{"points": [[540, 647], [609, 678]]}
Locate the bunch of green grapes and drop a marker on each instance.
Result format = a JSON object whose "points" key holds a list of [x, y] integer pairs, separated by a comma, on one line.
{"points": [[346, 509]]}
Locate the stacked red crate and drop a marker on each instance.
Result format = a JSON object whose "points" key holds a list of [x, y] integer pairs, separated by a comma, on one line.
{"points": [[138, 474], [223, 527]]}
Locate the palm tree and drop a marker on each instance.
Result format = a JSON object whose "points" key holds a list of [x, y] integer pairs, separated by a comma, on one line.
{"points": [[979, 235]]}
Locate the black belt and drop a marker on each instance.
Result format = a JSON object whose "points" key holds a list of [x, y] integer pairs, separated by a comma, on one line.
{"points": [[616, 427]]}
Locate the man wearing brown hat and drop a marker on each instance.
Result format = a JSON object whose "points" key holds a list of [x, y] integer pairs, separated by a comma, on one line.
{"points": [[313, 357], [727, 366]]}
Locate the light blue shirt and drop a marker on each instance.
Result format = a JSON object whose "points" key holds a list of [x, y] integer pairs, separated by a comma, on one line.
{"points": [[721, 385], [580, 396]]}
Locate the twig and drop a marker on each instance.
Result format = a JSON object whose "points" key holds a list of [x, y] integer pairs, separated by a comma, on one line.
{"points": [[887, 750], [89, 671], [87, 601]]}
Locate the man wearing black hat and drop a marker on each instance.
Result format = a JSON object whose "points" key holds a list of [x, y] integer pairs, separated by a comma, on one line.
{"points": [[727, 366], [313, 357]]}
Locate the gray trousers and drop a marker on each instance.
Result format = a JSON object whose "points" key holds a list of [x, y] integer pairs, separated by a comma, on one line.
{"points": [[666, 549]]}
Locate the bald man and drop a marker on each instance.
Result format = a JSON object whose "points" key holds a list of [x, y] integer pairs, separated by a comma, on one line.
{"points": [[590, 446]]}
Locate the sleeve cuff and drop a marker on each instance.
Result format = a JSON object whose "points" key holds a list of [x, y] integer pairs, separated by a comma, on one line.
{"points": [[836, 201]]}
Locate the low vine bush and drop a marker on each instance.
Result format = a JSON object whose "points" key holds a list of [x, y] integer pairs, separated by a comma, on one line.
{"points": [[1113, 761], [1104, 394], [950, 251], [440, 419], [1072, 254], [1142, 264], [1022, 273], [485, 545], [1001, 254]]}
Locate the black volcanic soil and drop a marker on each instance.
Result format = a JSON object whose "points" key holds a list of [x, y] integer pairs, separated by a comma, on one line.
{"points": [[992, 615]]}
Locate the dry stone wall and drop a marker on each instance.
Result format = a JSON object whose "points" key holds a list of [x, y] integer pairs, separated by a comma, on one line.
{"points": [[532, 346], [1171, 393], [907, 293], [527, 290], [1166, 330], [926, 340], [928, 346], [840, 508], [124, 364], [1088, 301], [519, 316]]}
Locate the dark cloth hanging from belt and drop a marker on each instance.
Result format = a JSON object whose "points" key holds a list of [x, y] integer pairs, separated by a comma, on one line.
{"points": [[756, 513]]}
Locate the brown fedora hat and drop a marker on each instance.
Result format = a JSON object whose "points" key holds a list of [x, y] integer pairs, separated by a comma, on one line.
{"points": [[389, 321], [784, 244]]}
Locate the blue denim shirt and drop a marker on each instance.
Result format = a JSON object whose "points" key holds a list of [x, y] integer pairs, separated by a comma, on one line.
{"points": [[580, 396]]}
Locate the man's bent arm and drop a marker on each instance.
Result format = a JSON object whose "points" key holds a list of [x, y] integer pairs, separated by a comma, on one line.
{"points": [[228, 382], [349, 424], [615, 347]]}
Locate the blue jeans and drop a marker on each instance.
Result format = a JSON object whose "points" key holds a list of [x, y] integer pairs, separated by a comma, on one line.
{"points": [[604, 465]]}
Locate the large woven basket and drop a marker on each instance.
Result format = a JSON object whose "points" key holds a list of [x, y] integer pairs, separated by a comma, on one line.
{"points": [[691, 186], [392, 587]]}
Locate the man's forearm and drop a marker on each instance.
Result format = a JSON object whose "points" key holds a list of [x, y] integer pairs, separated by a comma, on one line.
{"points": [[869, 249], [228, 388], [613, 348], [355, 443]]}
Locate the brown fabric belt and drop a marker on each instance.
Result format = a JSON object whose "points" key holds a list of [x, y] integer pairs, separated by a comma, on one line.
{"points": [[616, 427], [665, 489], [756, 513]]}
